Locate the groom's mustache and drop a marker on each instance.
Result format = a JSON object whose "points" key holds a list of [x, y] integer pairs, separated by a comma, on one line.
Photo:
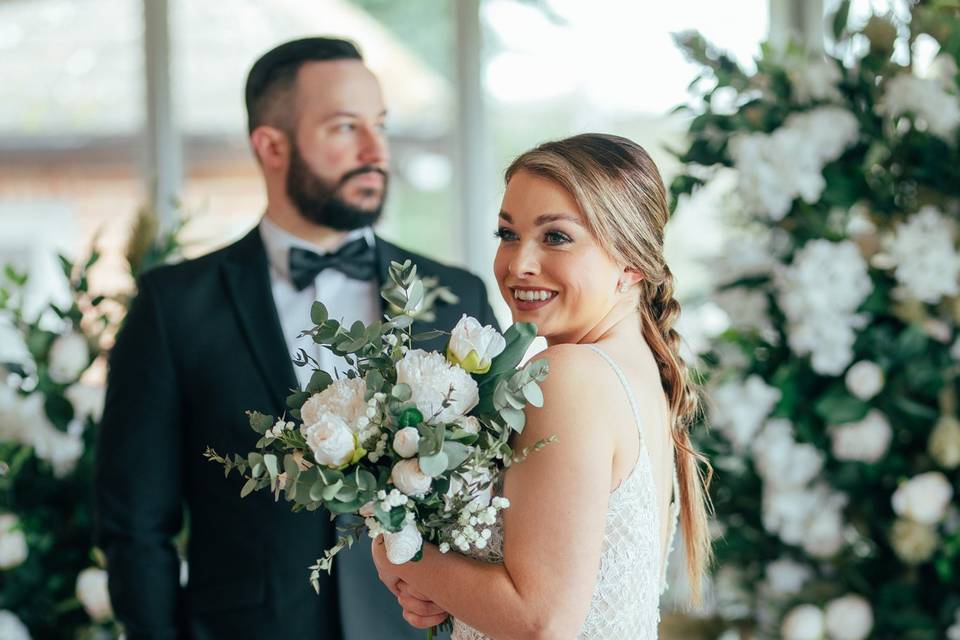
{"points": [[360, 171]]}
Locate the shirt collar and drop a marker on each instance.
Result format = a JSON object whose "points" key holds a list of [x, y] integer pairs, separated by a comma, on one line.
{"points": [[278, 243]]}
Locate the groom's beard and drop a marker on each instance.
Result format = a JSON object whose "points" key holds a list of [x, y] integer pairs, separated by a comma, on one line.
{"points": [[319, 201]]}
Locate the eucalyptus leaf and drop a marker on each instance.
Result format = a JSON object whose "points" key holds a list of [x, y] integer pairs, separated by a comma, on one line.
{"points": [[533, 394], [318, 313], [456, 453], [248, 488], [514, 418], [434, 465]]}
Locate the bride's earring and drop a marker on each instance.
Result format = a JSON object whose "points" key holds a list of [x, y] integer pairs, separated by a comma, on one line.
{"points": [[623, 287]]}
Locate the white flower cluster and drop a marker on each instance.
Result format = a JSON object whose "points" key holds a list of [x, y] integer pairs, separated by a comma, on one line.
{"points": [[442, 391], [785, 577], [864, 379], [91, 591], [742, 258], [923, 498], [475, 525], [337, 419], [847, 618], [863, 441], [926, 100], [819, 294], [924, 252], [812, 80], [277, 430], [748, 310], [24, 420], [738, 408], [11, 627], [69, 357], [953, 633], [776, 168], [13, 544], [800, 514]]}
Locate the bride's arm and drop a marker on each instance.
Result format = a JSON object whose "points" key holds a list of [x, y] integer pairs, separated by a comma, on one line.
{"points": [[553, 529]]}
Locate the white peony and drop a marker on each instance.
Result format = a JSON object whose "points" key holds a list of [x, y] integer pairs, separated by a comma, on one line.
{"points": [[343, 398], [923, 498], [923, 250], [786, 577], [331, 440], [804, 622], [13, 544], [11, 627], [926, 100], [738, 409], [474, 346], [93, 594], [864, 441], [435, 382], [403, 545], [408, 478], [820, 293], [87, 400], [864, 379], [69, 357], [849, 618], [406, 442], [944, 445]]}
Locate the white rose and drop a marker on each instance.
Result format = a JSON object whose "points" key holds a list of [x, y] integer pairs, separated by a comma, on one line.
{"points": [[69, 356], [13, 544], [406, 442], [474, 346], [469, 424], [804, 622], [403, 546], [864, 379], [343, 398], [923, 498], [434, 381], [87, 400], [944, 443], [864, 441], [93, 594], [786, 577], [849, 618], [11, 628], [409, 479], [331, 440]]}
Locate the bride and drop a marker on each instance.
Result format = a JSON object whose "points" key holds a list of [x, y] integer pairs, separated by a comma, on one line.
{"points": [[592, 517]]}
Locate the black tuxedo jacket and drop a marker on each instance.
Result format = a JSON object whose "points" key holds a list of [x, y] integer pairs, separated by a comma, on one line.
{"points": [[201, 345]]}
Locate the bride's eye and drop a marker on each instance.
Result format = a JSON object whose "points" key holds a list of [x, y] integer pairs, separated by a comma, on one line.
{"points": [[504, 234], [556, 237]]}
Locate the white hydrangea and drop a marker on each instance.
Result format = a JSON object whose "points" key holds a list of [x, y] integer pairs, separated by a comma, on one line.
{"points": [[864, 379], [742, 258], [738, 408], [804, 622], [747, 309], [780, 460], [786, 577], [13, 544], [69, 357], [863, 441], [11, 627], [926, 99], [923, 250], [775, 168], [819, 293], [434, 382], [91, 591], [811, 518], [815, 79], [343, 398], [923, 498], [849, 618]]}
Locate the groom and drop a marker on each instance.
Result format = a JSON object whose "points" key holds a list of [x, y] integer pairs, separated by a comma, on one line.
{"points": [[208, 339]]}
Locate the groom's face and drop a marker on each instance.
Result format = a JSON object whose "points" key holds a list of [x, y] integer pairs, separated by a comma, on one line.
{"points": [[337, 173]]}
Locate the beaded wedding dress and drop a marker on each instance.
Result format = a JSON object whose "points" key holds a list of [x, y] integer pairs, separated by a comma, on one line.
{"points": [[626, 598]]}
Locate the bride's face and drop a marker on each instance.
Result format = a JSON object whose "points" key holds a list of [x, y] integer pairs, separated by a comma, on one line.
{"points": [[550, 269]]}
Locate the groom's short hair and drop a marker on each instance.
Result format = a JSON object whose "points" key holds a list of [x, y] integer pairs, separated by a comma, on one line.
{"points": [[273, 76]]}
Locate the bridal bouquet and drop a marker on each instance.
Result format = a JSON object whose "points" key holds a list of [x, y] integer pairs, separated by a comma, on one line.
{"points": [[411, 441]]}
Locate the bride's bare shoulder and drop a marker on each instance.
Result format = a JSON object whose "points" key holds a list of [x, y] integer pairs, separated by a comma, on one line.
{"points": [[577, 375]]}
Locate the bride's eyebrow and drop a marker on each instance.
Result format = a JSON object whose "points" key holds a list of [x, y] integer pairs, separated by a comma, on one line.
{"points": [[546, 218]]}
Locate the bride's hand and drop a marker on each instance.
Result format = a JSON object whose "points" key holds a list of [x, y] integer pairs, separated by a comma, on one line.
{"points": [[418, 610]]}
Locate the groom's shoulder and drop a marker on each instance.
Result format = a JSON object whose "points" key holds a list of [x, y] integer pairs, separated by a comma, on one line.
{"points": [[192, 271]]}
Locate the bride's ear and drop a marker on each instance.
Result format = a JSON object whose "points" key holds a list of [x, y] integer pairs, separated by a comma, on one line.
{"points": [[630, 277]]}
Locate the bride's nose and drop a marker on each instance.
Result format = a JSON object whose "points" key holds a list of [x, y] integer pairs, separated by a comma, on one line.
{"points": [[524, 262]]}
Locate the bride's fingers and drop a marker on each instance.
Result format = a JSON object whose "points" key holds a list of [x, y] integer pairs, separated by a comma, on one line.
{"points": [[423, 622], [419, 607], [410, 591]]}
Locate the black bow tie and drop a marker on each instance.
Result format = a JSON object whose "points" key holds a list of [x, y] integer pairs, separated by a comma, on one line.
{"points": [[356, 259]]}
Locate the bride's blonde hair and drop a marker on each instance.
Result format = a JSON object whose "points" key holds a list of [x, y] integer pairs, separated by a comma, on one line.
{"points": [[621, 194]]}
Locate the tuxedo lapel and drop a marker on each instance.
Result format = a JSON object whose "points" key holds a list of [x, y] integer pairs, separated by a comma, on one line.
{"points": [[247, 279]]}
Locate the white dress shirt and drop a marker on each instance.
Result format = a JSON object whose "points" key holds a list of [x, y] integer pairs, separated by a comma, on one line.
{"points": [[347, 300]]}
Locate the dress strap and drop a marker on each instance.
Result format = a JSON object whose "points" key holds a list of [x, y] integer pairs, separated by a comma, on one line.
{"points": [[626, 387]]}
